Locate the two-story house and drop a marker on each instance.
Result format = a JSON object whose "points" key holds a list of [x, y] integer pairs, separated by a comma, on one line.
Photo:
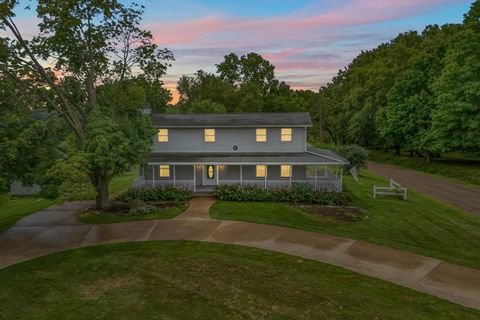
{"points": [[200, 151]]}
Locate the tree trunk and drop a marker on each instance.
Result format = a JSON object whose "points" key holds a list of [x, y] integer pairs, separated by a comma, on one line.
{"points": [[397, 151], [102, 201], [100, 181]]}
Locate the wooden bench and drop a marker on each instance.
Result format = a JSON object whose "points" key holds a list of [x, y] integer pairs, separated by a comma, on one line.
{"points": [[395, 189]]}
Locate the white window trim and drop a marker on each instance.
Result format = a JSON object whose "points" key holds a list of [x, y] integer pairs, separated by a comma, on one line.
{"points": [[289, 171], [261, 135], [264, 172], [282, 135], [166, 167], [210, 135], [163, 135]]}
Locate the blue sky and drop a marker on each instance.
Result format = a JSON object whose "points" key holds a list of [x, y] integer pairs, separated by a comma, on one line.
{"points": [[307, 40]]}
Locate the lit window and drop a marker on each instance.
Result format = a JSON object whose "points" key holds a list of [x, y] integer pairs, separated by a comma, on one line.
{"points": [[209, 135], [261, 135], [286, 171], [210, 172], [162, 135], [164, 171], [286, 134], [261, 170]]}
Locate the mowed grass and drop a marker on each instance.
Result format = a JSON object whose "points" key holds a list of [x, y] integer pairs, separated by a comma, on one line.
{"points": [[421, 225], [194, 280], [121, 183], [453, 166], [106, 217], [13, 209]]}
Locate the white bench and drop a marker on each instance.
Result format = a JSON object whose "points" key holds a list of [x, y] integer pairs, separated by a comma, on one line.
{"points": [[395, 189]]}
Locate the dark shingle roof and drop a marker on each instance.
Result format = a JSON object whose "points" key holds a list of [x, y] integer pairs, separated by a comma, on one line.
{"points": [[327, 154], [293, 119], [245, 158]]}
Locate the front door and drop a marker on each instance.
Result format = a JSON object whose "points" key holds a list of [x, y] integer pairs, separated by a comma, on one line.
{"points": [[209, 175]]}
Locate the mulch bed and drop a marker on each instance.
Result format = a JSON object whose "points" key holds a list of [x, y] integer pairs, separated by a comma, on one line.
{"points": [[122, 209], [341, 213]]}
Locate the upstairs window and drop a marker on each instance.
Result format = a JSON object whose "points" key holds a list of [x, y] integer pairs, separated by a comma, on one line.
{"points": [[261, 135], [286, 171], [286, 135], [261, 170], [209, 135], [162, 135], [164, 171]]}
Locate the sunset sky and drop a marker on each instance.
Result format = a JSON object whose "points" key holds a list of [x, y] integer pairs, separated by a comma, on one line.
{"points": [[308, 41]]}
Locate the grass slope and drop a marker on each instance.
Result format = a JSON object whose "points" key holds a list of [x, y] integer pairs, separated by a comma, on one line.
{"points": [[464, 171], [13, 209], [421, 225], [193, 280]]}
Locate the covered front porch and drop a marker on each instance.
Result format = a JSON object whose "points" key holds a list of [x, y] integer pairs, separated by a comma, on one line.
{"points": [[204, 177]]}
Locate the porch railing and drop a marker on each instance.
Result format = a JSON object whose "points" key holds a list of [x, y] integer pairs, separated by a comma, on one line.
{"points": [[330, 184]]}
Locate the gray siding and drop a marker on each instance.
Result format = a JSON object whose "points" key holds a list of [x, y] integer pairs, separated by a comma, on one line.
{"points": [[192, 140]]}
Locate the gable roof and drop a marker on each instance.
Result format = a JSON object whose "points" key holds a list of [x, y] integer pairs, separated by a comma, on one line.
{"points": [[266, 119]]}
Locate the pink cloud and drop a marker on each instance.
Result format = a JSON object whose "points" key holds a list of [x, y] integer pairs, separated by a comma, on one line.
{"points": [[354, 12]]}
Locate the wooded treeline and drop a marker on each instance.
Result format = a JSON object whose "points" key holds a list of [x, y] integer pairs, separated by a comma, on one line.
{"points": [[420, 92]]}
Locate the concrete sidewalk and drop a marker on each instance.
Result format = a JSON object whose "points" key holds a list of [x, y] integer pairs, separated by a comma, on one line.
{"points": [[57, 229]]}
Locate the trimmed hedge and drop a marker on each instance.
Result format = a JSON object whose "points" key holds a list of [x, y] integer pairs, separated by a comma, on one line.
{"points": [[299, 193], [160, 193]]}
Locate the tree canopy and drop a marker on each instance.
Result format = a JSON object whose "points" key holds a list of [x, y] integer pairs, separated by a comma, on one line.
{"points": [[92, 67], [419, 92]]}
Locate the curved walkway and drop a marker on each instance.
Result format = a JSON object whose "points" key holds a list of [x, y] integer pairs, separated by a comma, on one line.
{"points": [[458, 195], [57, 229]]}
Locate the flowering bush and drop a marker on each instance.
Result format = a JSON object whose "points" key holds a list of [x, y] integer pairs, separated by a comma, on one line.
{"points": [[160, 193], [299, 193]]}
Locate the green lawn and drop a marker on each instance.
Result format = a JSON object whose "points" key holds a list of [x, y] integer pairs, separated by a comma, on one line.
{"points": [[194, 280], [13, 209], [421, 225], [451, 166], [121, 183], [105, 217]]}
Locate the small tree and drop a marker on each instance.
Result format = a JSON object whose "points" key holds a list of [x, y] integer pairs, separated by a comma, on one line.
{"points": [[356, 155]]}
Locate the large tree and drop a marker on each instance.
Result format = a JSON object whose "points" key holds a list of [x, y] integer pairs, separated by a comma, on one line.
{"points": [[456, 122], [83, 44]]}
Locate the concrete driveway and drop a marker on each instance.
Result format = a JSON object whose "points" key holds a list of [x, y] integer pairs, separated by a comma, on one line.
{"points": [[458, 195], [57, 229]]}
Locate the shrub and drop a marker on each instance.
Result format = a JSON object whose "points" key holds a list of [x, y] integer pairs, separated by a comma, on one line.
{"points": [[160, 193], [357, 155], [299, 193], [146, 209]]}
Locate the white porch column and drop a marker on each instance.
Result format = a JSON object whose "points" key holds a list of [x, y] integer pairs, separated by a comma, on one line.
{"points": [[174, 177], [241, 175], [315, 178], [194, 179], [290, 178], [266, 173], [217, 173], [153, 174]]}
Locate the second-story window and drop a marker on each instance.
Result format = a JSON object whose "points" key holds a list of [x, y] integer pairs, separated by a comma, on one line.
{"points": [[261, 135], [162, 135], [209, 135], [286, 135]]}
